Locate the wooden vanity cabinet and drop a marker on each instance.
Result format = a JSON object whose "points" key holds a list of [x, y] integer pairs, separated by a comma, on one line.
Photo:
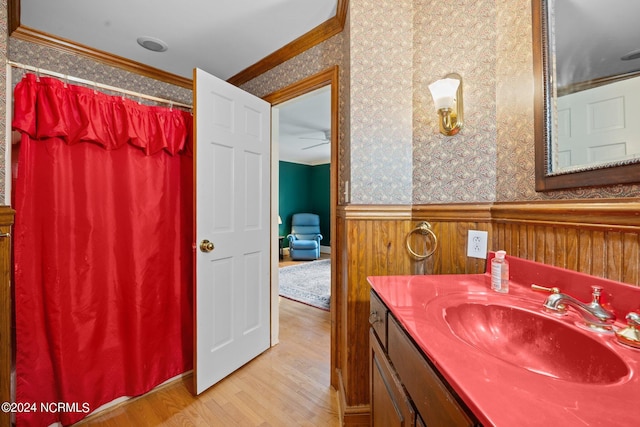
{"points": [[405, 389], [390, 405]]}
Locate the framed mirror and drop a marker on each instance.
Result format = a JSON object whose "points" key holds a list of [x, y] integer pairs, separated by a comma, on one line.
{"points": [[587, 93]]}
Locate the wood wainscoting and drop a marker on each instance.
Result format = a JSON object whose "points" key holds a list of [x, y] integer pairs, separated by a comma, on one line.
{"points": [[597, 237], [370, 242], [6, 221], [451, 223]]}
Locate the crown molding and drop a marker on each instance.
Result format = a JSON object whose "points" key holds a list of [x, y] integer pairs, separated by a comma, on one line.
{"points": [[68, 46], [317, 35], [322, 32]]}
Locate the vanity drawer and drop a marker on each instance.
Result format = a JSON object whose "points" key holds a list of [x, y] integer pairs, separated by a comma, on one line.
{"points": [[435, 403], [378, 318]]}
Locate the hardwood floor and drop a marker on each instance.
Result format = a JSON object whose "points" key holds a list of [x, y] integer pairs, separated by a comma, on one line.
{"points": [[288, 385]]}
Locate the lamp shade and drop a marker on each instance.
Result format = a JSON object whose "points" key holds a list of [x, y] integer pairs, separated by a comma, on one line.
{"points": [[279, 220], [444, 92]]}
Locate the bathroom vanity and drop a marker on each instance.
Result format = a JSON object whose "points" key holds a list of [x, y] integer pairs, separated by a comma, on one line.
{"points": [[447, 351], [391, 405]]}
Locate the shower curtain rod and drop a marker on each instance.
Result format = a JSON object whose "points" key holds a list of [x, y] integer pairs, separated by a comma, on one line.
{"points": [[97, 85]]}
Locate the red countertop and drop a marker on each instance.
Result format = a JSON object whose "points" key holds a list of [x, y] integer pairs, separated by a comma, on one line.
{"points": [[501, 393]]}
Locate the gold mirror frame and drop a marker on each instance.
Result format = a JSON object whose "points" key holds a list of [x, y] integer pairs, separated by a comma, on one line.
{"points": [[543, 120]]}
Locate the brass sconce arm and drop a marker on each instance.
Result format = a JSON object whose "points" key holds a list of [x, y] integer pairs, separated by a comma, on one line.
{"points": [[449, 124]]}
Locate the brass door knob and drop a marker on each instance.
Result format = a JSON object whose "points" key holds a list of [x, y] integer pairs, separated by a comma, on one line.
{"points": [[206, 246]]}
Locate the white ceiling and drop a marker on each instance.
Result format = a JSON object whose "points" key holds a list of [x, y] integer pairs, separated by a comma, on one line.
{"points": [[303, 123], [222, 37], [592, 36]]}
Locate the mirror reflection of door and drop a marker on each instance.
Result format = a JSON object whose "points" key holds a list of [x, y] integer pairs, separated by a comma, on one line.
{"points": [[597, 78]]}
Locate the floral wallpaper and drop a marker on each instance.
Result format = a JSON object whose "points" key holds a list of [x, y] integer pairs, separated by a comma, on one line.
{"points": [[3, 100], [514, 92], [381, 107], [455, 36], [54, 60], [390, 151]]}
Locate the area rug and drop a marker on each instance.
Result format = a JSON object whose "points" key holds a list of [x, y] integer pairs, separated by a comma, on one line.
{"points": [[309, 283]]}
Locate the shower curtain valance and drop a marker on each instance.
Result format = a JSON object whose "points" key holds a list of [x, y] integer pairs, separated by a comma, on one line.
{"points": [[46, 107]]}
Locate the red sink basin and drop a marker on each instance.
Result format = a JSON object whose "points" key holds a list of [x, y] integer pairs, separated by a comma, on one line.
{"points": [[534, 342]]}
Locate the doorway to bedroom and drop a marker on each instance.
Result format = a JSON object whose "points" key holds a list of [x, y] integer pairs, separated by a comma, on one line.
{"points": [[304, 202], [304, 168], [305, 119]]}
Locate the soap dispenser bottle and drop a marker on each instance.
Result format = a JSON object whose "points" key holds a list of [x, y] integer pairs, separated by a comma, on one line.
{"points": [[500, 273]]}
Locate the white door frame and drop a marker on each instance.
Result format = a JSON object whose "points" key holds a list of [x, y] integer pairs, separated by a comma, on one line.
{"points": [[324, 78], [275, 229]]}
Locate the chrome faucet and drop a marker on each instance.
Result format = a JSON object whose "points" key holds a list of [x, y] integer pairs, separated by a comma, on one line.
{"points": [[593, 313]]}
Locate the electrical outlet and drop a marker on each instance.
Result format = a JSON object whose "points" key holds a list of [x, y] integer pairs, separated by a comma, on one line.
{"points": [[477, 244]]}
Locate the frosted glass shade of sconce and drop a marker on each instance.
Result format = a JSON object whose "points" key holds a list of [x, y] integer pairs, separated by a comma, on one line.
{"points": [[447, 97], [444, 92]]}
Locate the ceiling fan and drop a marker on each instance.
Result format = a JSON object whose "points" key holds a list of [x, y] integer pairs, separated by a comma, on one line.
{"points": [[325, 140]]}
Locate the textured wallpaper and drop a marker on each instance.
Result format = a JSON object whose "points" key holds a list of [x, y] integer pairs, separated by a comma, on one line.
{"points": [[3, 100], [54, 60], [514, 77], [381, 106], [455, 36]]}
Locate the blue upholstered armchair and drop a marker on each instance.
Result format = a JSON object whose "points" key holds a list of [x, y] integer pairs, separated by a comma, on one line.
{"points": [[304, 240]]}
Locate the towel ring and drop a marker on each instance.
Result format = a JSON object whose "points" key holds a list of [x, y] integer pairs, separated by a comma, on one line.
{"points": [[423, 228]]}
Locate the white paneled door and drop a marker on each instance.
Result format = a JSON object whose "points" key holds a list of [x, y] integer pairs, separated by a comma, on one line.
{"points": [[232, 286], [599, 125]]}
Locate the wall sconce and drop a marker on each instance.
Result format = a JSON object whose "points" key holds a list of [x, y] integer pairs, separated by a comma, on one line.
{"points": [[279, 220], [447, 96]]}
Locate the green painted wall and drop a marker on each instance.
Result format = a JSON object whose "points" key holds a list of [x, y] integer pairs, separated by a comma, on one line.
{"points": [[305, 188]]}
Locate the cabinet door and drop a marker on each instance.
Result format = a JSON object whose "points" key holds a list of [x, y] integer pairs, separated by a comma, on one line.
{"points": [[434, 402], [378, 318], [390, 406]]}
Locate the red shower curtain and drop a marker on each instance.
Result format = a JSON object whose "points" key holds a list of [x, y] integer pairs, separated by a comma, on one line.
{"points": [[103, 249]]}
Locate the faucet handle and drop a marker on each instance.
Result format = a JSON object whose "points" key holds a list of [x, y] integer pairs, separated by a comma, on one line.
{"points": [[630, 335], [633, 319], [545, 289]]}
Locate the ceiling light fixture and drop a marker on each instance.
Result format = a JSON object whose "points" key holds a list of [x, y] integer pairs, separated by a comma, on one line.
{"points": [[153, 44]]}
